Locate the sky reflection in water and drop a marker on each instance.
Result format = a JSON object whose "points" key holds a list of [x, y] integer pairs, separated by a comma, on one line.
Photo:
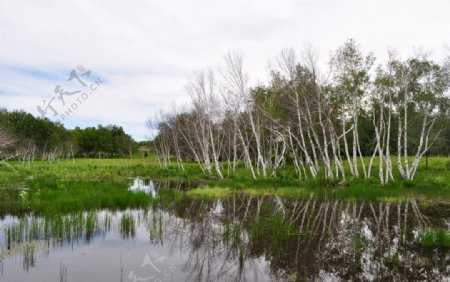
{"points": [[242, 238]]}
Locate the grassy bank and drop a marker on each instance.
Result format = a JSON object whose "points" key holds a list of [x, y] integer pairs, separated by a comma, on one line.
{"points": [[431, 182]]}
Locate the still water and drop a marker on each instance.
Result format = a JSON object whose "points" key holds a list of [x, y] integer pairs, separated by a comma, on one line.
{"points": [[240, 238]]}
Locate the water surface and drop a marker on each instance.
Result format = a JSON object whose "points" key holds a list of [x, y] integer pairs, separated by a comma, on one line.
{"points": [[240, 238]]}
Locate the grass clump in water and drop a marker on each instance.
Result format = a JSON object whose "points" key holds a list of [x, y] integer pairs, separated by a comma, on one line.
{"points": [[127, 226], [434, 237]]}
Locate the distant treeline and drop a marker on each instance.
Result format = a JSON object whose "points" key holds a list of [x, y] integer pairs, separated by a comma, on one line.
{"points": [[25, 137]]}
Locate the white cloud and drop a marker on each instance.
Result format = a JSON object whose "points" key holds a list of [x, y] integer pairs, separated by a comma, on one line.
{"points": [[145, 50]]}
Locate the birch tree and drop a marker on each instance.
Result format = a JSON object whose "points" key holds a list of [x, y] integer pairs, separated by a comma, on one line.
{"points": [[206, 112], [423, 84], [382, 112], [161, 139], [350, 70], [237, 98], [296, 82]]}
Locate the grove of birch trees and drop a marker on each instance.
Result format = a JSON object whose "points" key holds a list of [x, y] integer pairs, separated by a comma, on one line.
{"points": [[358, 118]]}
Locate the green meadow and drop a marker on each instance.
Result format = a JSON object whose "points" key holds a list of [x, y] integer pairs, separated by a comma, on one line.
{"points": [[84, 184]]}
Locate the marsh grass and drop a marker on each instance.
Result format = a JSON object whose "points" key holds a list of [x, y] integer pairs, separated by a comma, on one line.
{"points": [[58, 229], [29, 256], [434, 237], [127, 226], [355, 190], [432, 182], [207, 192], [89, 184], [272, 231], [49, 196]]}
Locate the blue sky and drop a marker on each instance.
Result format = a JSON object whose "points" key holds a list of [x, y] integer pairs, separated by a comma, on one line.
{"points": [[144, 51]]}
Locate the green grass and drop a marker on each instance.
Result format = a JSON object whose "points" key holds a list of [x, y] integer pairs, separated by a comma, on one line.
{"points": [[47, 196], [210, 192], [87, 184], [353, 189], [127, 226], [432, 182], [434, 237]]}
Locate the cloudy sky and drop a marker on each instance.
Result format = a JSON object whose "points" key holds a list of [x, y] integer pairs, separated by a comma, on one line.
{"points": [[144, 51]]}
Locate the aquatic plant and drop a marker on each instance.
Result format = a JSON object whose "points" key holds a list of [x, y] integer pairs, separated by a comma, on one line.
{"points": [[434, 237], [127, 226]]}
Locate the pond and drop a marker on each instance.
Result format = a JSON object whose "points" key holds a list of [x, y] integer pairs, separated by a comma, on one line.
{"points": [[238, 238]]}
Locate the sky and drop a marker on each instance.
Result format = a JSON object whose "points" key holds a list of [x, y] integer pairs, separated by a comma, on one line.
{"points": [[140, 54]]}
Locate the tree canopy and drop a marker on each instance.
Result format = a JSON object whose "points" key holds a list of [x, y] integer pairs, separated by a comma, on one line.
{"points": [[36, 137]]}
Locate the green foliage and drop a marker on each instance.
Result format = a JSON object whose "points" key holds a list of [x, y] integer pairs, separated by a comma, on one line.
{"points": [[42, 132], [434, 237], [127, 226], [47, 196], [393, 258], [47, 136], [110, 141]]}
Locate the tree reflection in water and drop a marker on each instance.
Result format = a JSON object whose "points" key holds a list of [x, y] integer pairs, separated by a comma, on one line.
{"points": [[259, 237], [307, 238]]}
